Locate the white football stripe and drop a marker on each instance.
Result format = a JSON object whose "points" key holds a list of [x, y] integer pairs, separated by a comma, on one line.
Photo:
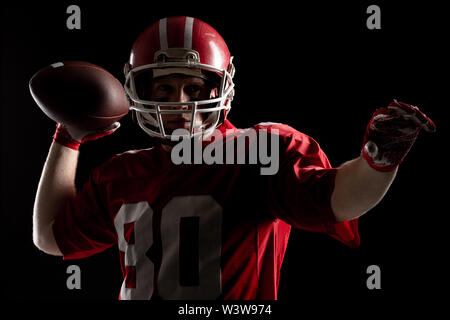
{"points": [[57, 64]]}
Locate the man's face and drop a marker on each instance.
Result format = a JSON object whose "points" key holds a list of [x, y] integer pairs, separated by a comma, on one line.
{"points": [[178, 88]]}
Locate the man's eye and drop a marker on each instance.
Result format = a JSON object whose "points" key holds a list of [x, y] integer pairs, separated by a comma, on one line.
{"points": [[164, 88], [193, 88]]}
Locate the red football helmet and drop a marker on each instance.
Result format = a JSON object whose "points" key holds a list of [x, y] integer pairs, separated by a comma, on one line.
{"points": [[179, 45]]}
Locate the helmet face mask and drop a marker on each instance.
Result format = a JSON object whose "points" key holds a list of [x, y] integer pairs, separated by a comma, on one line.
{"points": [[179, 60], [154, 124]]}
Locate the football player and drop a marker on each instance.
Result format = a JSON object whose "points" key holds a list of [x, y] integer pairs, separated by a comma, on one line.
{"points": [[192, 231]]}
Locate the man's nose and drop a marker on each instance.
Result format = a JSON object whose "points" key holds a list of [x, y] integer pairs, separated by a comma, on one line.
{"points": [[180, 95]]}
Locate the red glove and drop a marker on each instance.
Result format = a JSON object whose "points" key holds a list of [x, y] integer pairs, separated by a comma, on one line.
{"points": [[72, 138], [391, 133]]}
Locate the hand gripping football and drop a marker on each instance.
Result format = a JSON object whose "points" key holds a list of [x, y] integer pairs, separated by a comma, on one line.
{"points": [[79, 94]]}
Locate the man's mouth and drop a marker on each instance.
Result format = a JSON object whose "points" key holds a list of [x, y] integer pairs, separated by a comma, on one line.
{"points": [[179, 121], [178, 124]]}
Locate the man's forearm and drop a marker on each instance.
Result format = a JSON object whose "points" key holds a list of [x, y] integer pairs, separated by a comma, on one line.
{"points": [[56, 186], [358, 188]]}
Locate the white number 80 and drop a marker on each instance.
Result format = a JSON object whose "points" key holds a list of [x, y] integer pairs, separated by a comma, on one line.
{"points": [[209, 216]]}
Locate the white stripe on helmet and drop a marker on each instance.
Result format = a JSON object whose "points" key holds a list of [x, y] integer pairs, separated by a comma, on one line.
{"points": [[163, 34], [188, 32]]}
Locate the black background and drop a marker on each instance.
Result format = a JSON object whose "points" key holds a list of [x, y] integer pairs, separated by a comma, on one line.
{"points": [[314, 66]]}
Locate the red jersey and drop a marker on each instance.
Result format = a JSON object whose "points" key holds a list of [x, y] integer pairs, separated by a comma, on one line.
{"points": [[203, 231]]}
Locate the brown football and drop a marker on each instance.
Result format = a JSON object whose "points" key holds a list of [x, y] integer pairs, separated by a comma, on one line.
{"points": [[79, 94]]}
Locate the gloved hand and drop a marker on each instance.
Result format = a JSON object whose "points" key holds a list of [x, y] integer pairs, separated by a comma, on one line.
{"points": [[391, 133], [72, 138]]}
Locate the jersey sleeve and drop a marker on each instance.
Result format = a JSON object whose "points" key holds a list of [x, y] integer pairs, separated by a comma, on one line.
{"points": [[84, 227], [300, 192]]}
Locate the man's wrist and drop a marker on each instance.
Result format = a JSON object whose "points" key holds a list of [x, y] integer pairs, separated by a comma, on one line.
{"points": [[63, 137], [383, 166]]}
